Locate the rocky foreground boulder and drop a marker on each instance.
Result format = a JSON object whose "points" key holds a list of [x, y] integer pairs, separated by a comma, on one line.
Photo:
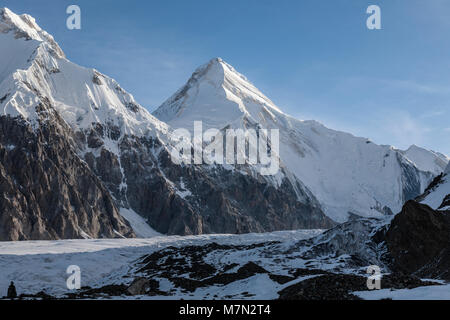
{"points": [[418, 241]]}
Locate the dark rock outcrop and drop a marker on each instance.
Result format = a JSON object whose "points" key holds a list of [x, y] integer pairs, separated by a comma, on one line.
{"points": [[340, 286], [326, 287], [191, 199], [46, 190], [142, 285], [50, 193], [418, 241]]}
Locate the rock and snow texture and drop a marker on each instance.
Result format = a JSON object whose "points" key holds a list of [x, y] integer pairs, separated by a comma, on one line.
{"points": [[438, 292], [128, 149], [427, 160], [301, 264], [39, 86], [79, 157], [105, 260], [251, 266], [347, 174], [438, 195], [139, 225]]}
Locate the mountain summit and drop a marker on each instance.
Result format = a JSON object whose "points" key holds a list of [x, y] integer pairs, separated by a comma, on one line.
{"points": [[25, 26], [348, 174], [217, 95], [80, 158], [81, 96]]}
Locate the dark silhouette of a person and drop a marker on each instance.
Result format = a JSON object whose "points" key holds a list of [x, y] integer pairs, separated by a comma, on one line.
{"points": [[12, 293]]}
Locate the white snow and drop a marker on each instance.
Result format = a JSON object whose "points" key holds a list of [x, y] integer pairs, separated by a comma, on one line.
{"points": [[427, 160], [345, 173], [183, 192], [138, 224], [34, 67], [84, 234], [39, 65], [25, 26], [438, 292], [215, 95], [437, 195], [258, 287], [41, 265]]}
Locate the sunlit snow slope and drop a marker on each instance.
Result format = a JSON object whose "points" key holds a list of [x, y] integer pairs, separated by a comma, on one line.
{"points": [[36, 68], [438, 197], [128, 148], [347, 174]]}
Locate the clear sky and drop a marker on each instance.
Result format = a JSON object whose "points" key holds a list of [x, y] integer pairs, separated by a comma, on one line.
{"points": [[314, 58]]}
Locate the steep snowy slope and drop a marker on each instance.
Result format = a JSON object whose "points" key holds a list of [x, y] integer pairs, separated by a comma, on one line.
{"points": [[426, 160], [106, 134], [300, 264], [32, 61], [347, 174], [437, 196], [46, 190], [217, 95]]}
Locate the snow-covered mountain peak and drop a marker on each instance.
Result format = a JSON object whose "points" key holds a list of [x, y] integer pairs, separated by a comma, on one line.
{"points": [[34, 67], [218, 95], [347, 174], [221, 73], [25, 26], [426, 160], [447, 170]]}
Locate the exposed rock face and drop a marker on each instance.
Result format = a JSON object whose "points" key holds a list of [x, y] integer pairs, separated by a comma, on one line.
{"points": [[344, 172], [191, 199], [126, 151], [46, 190], [411, 180], [418, 241]]}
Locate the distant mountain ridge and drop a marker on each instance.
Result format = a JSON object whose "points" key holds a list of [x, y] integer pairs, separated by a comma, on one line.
{"points": [[80, 158]]}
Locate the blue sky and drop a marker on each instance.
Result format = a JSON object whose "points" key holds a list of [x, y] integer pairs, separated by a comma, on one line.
{"points": [[314, 58]]}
